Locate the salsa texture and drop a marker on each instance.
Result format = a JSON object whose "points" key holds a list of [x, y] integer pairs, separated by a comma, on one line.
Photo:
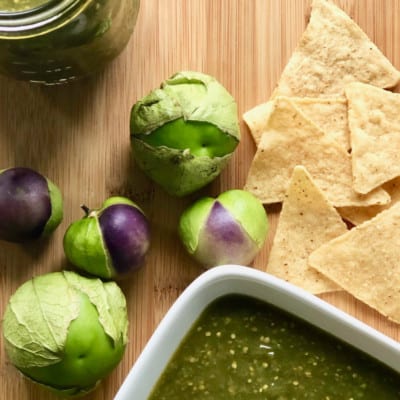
{"points": [[244, 349], [73, 43], [20, 5]]}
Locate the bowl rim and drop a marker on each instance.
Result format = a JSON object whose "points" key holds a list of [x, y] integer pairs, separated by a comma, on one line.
{"points": [[236, 279]]}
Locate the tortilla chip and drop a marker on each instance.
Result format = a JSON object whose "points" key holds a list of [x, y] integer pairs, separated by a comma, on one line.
{"points": [[375, 135], [307, 221], [365, 262], [257, 119], [291, 139], [329, 114], [358, 215], [333, 51]]}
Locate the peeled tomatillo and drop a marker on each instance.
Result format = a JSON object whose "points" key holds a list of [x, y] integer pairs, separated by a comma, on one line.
{"points": [[66, 332], [184, 133], [230, 229], [110, 241], [31, 205]]}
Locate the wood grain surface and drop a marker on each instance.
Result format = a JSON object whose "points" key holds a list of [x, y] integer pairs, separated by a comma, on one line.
{"points": [[78, 136]]}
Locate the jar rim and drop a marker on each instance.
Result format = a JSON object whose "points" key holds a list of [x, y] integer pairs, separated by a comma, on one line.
{"points": [[17, 21]]}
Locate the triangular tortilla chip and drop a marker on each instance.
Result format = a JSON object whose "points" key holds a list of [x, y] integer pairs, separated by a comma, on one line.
{"points": [[291, 139], [257, 119], [358, 215], [333, 51], [329, 114], [365, 262], [307, 220], [375, 135]]}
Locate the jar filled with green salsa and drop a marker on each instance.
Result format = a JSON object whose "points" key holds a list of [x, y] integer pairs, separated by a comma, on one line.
{"points": [[58, 41]]}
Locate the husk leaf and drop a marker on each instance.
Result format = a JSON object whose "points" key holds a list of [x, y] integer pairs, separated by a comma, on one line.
{"points": [[39, 313]]}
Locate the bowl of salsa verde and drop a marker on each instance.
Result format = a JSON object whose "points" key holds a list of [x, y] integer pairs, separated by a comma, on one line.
{"points": [[240, 333]]}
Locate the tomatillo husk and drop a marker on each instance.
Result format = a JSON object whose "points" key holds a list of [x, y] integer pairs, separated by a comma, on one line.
{"points": [[111, 241], [184, 133], [66, 332]]}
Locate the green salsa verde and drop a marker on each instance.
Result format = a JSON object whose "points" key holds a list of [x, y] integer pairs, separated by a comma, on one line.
{"points": [[20, 5], [241, 348], [63, 40]]}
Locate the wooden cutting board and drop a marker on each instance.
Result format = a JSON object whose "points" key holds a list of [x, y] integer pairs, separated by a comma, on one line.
{"points": [[78, 135]]}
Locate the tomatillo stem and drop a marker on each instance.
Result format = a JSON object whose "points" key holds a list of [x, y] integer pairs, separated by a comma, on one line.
{"points": [[86, 209]]}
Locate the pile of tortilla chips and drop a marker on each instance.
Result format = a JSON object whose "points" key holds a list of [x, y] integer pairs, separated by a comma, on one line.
{"points": [[328, 149]]}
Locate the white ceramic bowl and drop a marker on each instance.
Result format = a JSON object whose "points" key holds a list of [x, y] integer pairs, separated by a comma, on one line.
{"points": [[231, 279]]}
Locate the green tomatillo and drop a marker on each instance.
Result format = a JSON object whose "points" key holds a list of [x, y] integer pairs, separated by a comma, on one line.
{"points": [[230, 229], [111, 241], [184, 133], [66, 332]]}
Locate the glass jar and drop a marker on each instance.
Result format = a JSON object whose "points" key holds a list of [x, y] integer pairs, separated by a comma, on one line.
{"points": [[57, 41]]}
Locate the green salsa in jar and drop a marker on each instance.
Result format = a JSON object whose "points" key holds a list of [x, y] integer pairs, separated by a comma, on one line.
{"points": [[58, 41], [20, 5]]}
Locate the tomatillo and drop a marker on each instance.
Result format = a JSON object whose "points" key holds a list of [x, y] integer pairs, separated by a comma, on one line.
{"points": [[66, 332], [111, 241], [184, 133], [31, 205], [230, 229]]}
